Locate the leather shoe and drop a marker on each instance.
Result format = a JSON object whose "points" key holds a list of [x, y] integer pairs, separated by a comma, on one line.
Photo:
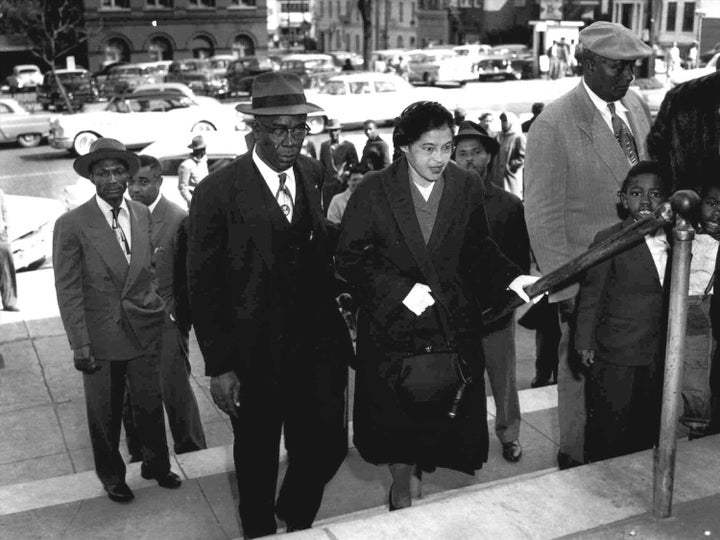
{"points": [[512, 451], [539, 382], [566, 462], [169, 480], [120, 493]]}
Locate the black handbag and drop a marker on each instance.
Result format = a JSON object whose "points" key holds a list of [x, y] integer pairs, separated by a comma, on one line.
{"points": [[434, 382]]}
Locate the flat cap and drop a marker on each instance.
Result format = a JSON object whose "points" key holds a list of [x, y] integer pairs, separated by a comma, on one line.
{"points": [[613, 41]]}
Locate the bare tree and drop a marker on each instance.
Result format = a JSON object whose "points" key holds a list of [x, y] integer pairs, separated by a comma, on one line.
{"points": [[365, 8], [53, 27]]}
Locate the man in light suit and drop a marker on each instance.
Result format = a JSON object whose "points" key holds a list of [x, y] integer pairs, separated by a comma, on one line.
{"points": [[113, 315], [178, 398], [578, 153], [262, 300]]}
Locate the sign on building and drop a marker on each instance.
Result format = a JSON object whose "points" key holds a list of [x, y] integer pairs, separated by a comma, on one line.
{"points": [[551, 10]]}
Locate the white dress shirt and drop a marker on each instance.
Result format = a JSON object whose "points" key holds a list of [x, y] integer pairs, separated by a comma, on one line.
{"points": [[602, 106], [272, 178], [658, 245], [123, 221]]}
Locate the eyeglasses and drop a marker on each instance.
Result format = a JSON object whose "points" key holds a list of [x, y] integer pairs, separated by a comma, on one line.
{"points": [[280, 132], [107, 173], [430, 149]]}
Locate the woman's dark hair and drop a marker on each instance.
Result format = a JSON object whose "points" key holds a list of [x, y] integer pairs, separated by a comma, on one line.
{"points": [[418, 118], [649, 167]]}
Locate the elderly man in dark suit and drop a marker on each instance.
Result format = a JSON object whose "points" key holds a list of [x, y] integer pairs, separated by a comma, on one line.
{"points": [[262, 302], [578, 153], [113, 315], [474, 151], [178, 398]]}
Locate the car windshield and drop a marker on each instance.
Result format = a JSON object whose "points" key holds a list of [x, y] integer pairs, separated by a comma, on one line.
{"points": [[74, 77], [28, 71], [219, 64], [125, 72], [334, 88]]}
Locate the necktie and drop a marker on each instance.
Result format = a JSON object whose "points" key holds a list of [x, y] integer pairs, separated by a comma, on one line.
{"points": [[284, 198], [120, 234], [623, 136]]}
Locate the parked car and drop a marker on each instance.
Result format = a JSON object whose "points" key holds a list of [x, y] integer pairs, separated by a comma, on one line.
{"points": [[355, 97], [242, 71], [382, 59], [25, 77], [707, 55], [475, 52], [30, 225], [500, 67], [21, 126], [101, 75], [679, 76], [137, 120], [78, 83], [198, 74], [339, 58], [432, 66], [176, 89], [127, 77], [304, 65], [171, 150]]}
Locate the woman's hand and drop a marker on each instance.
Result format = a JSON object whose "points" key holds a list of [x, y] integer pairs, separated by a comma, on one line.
{"points": [[419, 299]]}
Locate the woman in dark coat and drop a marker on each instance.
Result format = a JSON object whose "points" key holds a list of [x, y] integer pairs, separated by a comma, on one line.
{"points": [[414, 245]]}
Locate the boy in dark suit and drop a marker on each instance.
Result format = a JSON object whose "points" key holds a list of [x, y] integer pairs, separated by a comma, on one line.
{"points": [[619, 320]]}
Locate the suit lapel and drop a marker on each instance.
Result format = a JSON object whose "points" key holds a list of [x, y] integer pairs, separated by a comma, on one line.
{"points": [[638, 124], [249, 200], [304, 181], [646, 263], [590, 122], [396, 183], [104, 240], [158, 221], [140, 233]]}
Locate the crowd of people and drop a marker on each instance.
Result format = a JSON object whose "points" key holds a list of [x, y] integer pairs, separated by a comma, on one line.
{"points": [[417, 246]]}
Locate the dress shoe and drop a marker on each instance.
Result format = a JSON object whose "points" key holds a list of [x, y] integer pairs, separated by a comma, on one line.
{"points": [[120, 493], [169, 480], [11, 308], [512, 451], [539, 382]]}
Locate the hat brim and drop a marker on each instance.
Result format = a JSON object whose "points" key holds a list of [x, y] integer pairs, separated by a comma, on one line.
{"points": [[83, 163], [192, 147], [489, 142], [302, 108]]}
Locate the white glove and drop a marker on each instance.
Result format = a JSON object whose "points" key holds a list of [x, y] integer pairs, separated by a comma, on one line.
{"points": [[519, 283], [419, 299]]}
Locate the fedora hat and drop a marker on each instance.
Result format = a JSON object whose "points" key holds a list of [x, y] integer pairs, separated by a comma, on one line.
{"points": [[106, 148], [471, 129], [275, 93], [333, 124], [198, 142]]}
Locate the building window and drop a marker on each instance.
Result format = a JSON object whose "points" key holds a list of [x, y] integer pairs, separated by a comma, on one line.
{"points": [[159, 4], [688, 22], [412, 42], [201, 3], [401, 12], [670, 24], [241, 3], [330, 15], [412, 11], [338, 41], [321, 4], [357, 43], [400, 42], [115, 4], [339, 8]]}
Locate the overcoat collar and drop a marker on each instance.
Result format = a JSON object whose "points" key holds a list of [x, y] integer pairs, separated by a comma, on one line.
{"points": [[603, 140], [396, 183], [103, 239], [247, 197], [158, 220]]}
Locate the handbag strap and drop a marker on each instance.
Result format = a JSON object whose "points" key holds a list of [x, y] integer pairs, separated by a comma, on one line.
{"points": [[443, 324]]}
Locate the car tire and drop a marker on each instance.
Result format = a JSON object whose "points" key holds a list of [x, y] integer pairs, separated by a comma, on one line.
{"points": [[317, 124], [29, 140], [83, 141], [202, 126]]}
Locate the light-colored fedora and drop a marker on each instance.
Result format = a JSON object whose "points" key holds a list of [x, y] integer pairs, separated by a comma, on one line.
{"points": [[106, 148], [276, 93], [198, 142]]}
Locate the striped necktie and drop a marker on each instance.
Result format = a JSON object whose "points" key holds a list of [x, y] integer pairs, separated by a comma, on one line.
{"points": [[120, 234], [284, 197], [623, 136]]}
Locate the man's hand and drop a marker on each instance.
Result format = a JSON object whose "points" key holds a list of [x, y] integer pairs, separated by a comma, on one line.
{"points": [[587, 357], [518, 285], [225, 391], [84, 360]]}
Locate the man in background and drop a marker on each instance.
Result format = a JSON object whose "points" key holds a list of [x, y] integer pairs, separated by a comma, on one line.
{"points": [[193, 169]]}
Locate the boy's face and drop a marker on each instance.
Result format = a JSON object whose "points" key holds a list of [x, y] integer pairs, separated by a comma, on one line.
{"points": [[710, 212], [643, 196]]}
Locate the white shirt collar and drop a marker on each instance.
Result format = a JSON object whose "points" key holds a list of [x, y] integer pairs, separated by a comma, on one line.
{"points": [[271, 177], [155, 203], [600, 103], [106, 208]]}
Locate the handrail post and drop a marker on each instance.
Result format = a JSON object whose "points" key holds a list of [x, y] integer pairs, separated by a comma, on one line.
{"points": [[664, 470]]}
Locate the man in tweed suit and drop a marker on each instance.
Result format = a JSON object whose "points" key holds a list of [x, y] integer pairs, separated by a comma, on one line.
{"points": [[578, 153]]}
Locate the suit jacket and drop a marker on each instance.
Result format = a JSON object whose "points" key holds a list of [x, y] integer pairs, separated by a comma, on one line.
{"points": [[104, 302], [344, 157], [167, 218], [230, 259], [620, 310], [574, 168]]}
